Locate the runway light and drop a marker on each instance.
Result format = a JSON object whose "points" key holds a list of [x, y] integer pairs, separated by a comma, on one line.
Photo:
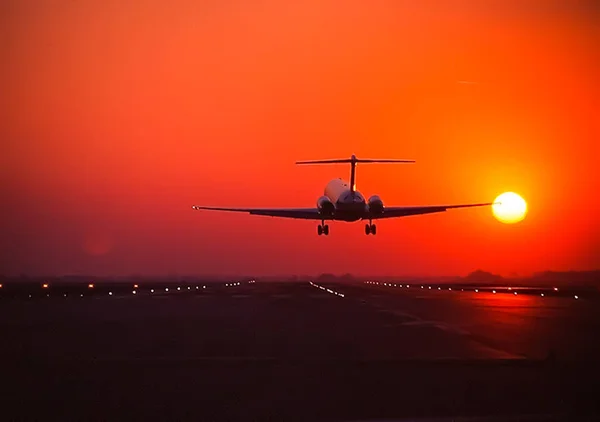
{"points": [[81, 295], [65, 295], [421, 286], [407, 286], [542, 295], [196, 287], [509, 288], [45, 286], [110, 293], [166, 289], [439, 288], [556, 289], [493, 291], [151, 290], [90, 286], [179, 288], [134, 292], [204, 287], [515, 293], [476, 290], [449, 288], [576, 297], [0, 286], [429, 287], [189, 287]]}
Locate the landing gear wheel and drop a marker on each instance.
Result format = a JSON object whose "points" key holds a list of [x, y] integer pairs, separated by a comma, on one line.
{"points": [[367, 229], [319, 230], [326, 230], [373, 229]]}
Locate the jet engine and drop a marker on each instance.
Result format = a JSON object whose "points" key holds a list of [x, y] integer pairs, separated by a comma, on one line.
{"points": [[375, 205], [325, 206]]}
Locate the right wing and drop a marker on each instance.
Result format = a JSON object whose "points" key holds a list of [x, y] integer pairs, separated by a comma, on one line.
{"points": [[301, 213], [392, 212]]}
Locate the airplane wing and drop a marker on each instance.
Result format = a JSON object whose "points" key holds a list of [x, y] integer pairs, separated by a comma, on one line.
{"points": [[301, 213], [393, 212]]}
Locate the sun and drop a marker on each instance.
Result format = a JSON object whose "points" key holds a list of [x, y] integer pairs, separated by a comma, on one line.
{"points": [[509, 208]]}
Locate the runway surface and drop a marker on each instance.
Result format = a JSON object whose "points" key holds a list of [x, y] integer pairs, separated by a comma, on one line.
{"points": [[296, 351]]}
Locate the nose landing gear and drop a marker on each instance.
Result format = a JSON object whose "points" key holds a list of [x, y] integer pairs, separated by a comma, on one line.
{"points": [[370, 228]]}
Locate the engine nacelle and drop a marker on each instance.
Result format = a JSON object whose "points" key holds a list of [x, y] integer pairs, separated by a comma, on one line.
{"points": [[325, 206], [375, 205]]}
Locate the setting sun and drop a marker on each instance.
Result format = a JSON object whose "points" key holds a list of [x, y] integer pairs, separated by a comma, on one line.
{"points": [[509, 208]]}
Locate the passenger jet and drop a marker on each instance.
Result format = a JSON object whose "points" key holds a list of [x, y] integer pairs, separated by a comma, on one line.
{"points": [[342, 202]]}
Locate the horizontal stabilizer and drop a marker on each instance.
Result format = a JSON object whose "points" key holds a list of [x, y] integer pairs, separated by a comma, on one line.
{"points": [[353, 159]]}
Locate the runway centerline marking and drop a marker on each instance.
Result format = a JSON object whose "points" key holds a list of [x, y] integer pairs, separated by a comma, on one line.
{"points": [[326, 289]]}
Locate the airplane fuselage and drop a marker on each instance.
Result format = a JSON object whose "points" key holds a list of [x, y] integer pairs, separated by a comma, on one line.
{"points": [[349, 205]]}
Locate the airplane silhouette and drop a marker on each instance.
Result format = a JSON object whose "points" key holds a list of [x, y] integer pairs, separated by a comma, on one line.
{"points": [[342, 202]]}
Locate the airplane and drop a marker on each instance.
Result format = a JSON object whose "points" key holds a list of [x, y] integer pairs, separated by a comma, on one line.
{"points": [[342, 202]]}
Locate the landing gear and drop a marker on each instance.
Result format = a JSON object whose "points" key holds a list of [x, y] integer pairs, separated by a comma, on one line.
{"points": [[323, 229], [370, 229]]}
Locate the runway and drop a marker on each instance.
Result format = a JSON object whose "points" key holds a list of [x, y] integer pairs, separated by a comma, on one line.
{"points": [[302, 351]]}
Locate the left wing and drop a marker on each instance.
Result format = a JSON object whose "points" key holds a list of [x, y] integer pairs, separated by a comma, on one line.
{"points": [[392, 212], [301, 213]]}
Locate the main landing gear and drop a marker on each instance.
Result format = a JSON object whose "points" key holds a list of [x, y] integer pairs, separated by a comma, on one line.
{"points": [[323, 229], [370, 228]]}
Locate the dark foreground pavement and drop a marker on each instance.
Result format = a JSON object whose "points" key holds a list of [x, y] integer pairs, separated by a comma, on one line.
{"points": [[297, 352]]}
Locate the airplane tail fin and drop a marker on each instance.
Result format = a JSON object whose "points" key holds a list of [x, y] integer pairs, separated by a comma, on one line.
{"points": [[353, 161]]}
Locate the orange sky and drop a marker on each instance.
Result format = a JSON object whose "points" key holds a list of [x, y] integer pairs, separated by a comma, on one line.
{"points": [[117, 117]]}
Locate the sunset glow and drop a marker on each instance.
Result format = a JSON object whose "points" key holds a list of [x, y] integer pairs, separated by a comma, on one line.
{"points": [[118, 116]]}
